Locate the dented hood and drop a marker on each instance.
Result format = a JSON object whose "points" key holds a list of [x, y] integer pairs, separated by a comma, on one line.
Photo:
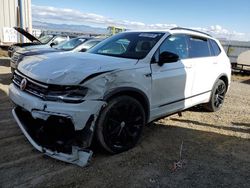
{"points": [[70, 69]]}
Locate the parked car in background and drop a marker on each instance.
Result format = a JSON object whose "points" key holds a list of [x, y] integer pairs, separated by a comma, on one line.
{"points": [[78, 44], [113, 90], [45, 41]]}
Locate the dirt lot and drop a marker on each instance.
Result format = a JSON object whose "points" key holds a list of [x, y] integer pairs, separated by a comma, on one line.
{"points": [[216, 148], [3, 53]]}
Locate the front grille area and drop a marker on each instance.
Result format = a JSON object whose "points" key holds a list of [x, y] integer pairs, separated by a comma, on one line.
{"points": [[32, 87], [57, 133]]}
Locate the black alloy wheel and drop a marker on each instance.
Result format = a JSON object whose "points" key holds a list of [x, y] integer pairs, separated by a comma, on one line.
{"points": [[120, 124], [217, 97]]}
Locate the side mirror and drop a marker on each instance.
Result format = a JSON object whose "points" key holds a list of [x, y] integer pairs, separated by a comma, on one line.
{"points": [[167, 57], [53, 44], [83, 50]]}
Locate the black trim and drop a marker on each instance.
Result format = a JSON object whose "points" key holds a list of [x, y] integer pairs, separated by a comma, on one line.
{"points": [[184, 99], [129, 90], [94, 75]]}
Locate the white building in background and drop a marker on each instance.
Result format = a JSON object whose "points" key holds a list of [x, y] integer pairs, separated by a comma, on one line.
{"points": [[10, 17]]}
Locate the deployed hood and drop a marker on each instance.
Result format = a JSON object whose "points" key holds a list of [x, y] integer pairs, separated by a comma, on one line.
{"points": [[70, 68], [35, 51], [32, 38]]}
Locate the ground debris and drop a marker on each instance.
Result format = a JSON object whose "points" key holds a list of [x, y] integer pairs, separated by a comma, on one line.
{"points": [[180, 163]]}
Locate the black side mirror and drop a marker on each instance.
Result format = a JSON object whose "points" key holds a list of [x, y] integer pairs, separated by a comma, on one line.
{"points": [[83, 50], [53, 44], [167, 57]]}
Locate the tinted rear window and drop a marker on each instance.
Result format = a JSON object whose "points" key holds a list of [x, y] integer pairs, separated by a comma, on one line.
{"points": [[198, 47], [215, 49]]}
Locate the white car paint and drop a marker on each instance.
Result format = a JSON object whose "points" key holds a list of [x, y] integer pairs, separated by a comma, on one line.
{"points": [[62, 72], [169, 88]]}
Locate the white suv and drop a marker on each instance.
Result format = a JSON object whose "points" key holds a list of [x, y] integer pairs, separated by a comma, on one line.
{"points": [[111, 92]]}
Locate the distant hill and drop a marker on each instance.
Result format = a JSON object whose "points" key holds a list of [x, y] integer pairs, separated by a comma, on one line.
{"points": [[67, 27]]}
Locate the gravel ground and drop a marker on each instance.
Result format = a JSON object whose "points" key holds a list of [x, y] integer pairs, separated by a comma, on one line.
{"points": [[216, 149]]}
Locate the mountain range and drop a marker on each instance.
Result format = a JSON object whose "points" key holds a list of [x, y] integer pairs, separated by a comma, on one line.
{"points": [[69, 28]]}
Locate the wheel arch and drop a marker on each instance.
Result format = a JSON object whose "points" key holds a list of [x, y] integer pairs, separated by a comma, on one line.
{"points": [[224, 78], [132, 92]]}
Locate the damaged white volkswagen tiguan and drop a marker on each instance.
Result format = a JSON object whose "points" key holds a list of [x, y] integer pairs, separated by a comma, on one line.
{"points": [[63, 101]]}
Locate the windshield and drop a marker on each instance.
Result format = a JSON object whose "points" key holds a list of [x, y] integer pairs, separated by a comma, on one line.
{"points": [[134, 45], [70, 44], [45, 39]]}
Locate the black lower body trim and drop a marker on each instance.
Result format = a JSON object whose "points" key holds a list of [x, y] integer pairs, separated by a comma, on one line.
{"points": [[184, 99]]}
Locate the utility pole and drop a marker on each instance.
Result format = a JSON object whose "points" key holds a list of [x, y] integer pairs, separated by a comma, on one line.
{"points": [[20, 6]]}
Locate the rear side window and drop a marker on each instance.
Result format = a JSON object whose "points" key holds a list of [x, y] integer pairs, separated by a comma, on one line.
{"points": [[198, 47], [215, 49]]}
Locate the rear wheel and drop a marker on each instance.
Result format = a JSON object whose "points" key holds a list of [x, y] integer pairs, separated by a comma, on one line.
{"points": [[120, 124], [217, 96]]}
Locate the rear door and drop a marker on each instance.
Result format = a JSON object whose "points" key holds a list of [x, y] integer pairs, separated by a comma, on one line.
{"points": [[204, 65]]}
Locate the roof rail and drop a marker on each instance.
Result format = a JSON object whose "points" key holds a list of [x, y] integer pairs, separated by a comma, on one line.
{"points": [[183, 28]]}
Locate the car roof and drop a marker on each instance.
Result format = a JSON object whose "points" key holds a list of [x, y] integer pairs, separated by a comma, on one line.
{"points": [[177, 31]]}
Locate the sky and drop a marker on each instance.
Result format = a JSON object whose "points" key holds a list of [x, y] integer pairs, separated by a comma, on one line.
{"points": [[225, 18]]}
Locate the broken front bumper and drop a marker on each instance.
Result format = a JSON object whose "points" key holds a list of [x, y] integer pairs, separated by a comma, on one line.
{"points": [[78, 157], [80, 119]]}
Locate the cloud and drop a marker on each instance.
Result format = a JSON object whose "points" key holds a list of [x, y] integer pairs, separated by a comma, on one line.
{"points": [[71, 16], [61, 15], [220, 32]]}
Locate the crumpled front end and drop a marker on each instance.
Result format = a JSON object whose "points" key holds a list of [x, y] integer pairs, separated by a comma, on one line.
{"points": [[54, 138], [58, 129], [58, 102]]}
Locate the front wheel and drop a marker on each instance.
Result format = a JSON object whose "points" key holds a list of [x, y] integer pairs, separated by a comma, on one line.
{"points": [[217, 96], [120, 124]]}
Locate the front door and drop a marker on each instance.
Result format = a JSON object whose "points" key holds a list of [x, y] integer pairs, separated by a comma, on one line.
{"points": [[171, 82]]}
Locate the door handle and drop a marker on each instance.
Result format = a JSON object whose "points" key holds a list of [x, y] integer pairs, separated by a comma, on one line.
{"points": [[215, 63]]}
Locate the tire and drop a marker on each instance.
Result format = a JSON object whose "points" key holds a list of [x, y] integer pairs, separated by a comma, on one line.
{"points": [[217, 96], [120, 124]]}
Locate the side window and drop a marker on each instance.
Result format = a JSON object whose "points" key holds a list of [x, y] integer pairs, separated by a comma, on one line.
{"points": [[198, 47], [176, 44], [214, 47]]}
